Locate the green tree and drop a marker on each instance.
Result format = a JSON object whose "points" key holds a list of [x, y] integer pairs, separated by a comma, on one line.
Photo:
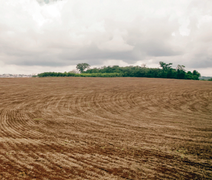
{"points": [[181, 74], [189, 75], [167, 70], [165, 66], [82, 66], [196, 74]]}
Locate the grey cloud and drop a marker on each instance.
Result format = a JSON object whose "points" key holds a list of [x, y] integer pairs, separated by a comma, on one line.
{"points": [[200, 61], [64, 43], [55, 49], [47, 1]]}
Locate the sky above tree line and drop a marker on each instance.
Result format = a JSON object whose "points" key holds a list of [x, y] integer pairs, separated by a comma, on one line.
{"points": [[55, 35]]}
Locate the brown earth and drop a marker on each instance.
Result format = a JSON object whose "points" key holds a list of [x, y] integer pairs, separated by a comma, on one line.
{"points": [[105, 128]]}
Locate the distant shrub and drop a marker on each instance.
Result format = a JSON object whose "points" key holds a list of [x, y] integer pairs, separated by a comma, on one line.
{"points": [[210, 79], [69, 74], [98, 75]]}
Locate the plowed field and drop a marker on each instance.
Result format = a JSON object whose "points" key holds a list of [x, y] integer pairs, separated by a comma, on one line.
{"points": [[105, 128]]}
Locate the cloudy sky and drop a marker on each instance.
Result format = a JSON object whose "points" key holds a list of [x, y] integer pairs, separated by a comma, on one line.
{"points": [[55, 35]]}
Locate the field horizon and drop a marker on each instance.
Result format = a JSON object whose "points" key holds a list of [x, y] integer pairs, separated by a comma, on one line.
{"points": [[105, 128]]}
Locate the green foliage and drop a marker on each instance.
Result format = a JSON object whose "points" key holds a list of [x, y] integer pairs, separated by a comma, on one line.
{"points": [[210, 79], [165, 66], [131, 71], [137, 71], [98, 75], [189, 75], [82, 66], [196, 75], [55, 74]]}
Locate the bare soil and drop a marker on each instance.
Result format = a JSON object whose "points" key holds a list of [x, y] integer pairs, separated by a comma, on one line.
{"points": [[105, 128]]}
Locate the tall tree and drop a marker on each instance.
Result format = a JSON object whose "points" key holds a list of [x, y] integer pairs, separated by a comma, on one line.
{"points": [[181, 74], [82, 66], [196, 74], [165, 66]]}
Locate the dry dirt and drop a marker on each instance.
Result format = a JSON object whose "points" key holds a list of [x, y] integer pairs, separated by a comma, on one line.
{"points": [[105, 128]]}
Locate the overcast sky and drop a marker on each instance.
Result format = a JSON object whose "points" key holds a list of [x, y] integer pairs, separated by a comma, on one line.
{"points": [[55, 35]]}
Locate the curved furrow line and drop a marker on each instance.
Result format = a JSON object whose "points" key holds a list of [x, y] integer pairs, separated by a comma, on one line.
{"points": [[87, 99], [13, 158], [80, 111], [198, 103], [90, 128], [136, 97], [89, 108], [7, 169], [178, 102], [24, 160], [114, 107], [121, 100], [60, 104], [38, 156], [48, 104], [188, 95], [132, 98], [7, 128], [75, 106], [97, 109], [198, 95], [67, 164], [207, 95], [118, 100], [39, 105], [163, 102], [70, 102], [33, 124], [19, 123], [64, 161], [102, 165], [89, 111], [106, 107], [3, 132], [172, 104], [3, 124], [65, 105], [149, 105], [106, 116], [102, 106], [42, 156], [88, 168], [95, 105], [94, 108], [129, 107], [199, 106]]}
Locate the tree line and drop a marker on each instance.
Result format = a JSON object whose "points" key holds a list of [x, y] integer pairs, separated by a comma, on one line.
{"points": [[166, 71], [69, 74]]}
